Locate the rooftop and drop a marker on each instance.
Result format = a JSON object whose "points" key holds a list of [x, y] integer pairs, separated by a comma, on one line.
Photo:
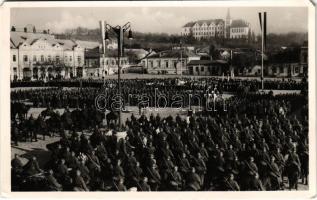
{"points": [[206, 62], [207, 21], [18, 38], [175, 53], [239, 23]]}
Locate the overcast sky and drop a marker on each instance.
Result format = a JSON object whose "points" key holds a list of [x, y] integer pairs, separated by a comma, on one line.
{"points": [[158, 19]]}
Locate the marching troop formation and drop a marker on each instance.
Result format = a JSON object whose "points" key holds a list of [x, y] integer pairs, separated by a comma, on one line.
{"points": [[257, 143]]}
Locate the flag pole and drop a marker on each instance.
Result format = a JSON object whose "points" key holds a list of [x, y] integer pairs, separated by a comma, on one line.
{"points": [[262, 62]]}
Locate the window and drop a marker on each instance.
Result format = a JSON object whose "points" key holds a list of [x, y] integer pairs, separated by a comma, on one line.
{"points": [[65, 58], [107, 62], [70, 58], [49, 58], [197, 69], [151, 64], [14, 58], [25, 58], [274, 69], [296, 69], [79, 59], [42, 58], [112, 62], [280, 69], [34, 58], [202, 68], [159, 63], [166, 63], [175, 64], [57, 58]]}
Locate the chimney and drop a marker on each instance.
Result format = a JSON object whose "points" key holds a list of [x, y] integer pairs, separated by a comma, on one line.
{"points": [[34, 30], [13, 28], [48, 31], [25, 29]]}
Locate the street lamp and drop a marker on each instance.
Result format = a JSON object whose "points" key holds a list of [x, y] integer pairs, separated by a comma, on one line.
{"points": [[119, 32]]}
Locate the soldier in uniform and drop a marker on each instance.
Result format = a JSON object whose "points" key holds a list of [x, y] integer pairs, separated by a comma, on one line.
{"points": [[16, 164], [15, 133], [32, 167], [120, 185], [194, 182], [255, 183], [53, 183], [154, 177], [274, 175], [78, 182], [201, 167], [61, 171], [144, 186], [231, 184], [293, 166], [174, 182], [183, 164]]}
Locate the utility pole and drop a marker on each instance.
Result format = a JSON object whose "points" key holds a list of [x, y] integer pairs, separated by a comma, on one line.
{"points": [[119, 31]]}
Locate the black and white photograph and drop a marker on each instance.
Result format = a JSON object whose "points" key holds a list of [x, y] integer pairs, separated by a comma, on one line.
{"points": [[159, 98]]}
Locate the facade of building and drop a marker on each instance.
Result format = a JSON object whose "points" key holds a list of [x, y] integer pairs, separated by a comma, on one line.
{"points": [[289, 62], [239, 29], [100, 65], [204, 28], [38, 55], [220, 28], [169, 62], [304, 58], [207, 67]]}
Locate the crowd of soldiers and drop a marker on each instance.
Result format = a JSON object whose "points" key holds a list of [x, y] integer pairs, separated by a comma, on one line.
{"points": [[133, 91], [252, 146], [189, 82]]}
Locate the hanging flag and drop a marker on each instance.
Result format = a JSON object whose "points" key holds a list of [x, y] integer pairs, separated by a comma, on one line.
{"points": [[260, 18], [264, 31]]}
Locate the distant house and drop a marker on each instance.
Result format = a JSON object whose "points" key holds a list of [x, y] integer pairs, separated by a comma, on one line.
{"points": [[169, 62], [239, 29], [99, 64], [208, 67], [39, 55], [288, 62], [92, 62]]}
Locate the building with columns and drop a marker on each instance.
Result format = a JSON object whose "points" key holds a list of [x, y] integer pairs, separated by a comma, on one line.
{"points": [[38, 55]]}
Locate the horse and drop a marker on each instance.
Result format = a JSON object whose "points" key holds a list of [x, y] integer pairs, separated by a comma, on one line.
{"points": [[20, 109], [67, 120], [112, 117]]}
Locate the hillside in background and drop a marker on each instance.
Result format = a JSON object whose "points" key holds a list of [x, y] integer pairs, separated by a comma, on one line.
{"points": [[162, 41]]}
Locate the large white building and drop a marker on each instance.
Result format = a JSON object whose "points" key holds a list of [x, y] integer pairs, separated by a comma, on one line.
{"points": [[239, 29], [212, 28], [204, 28], [39, 55]]}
